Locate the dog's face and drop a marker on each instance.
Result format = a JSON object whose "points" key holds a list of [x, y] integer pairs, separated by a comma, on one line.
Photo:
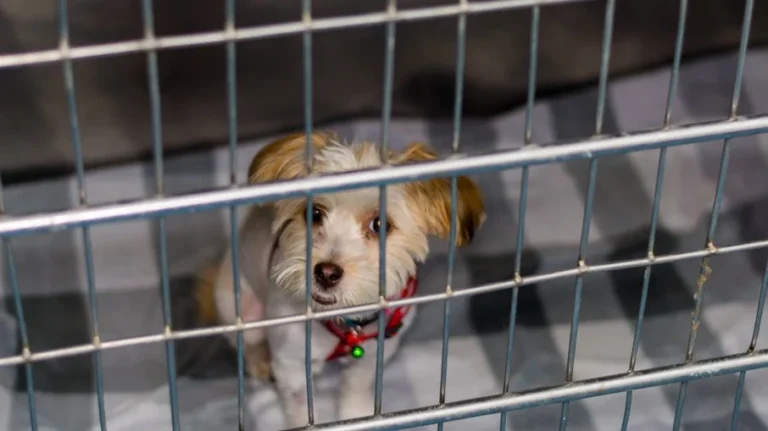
{"points": [[347, 226]]}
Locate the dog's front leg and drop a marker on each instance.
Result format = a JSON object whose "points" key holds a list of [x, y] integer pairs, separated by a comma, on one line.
{"points": [[357, 382], [292, 389]]}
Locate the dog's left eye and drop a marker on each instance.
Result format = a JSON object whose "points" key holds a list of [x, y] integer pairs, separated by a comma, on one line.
{"points": [[317, 215], [375, 225]]}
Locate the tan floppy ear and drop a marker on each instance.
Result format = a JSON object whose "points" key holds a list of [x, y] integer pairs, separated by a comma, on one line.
{"points": [[284, 159], [431, 199]]}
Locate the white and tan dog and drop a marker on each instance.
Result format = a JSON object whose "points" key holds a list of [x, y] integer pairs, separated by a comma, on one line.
{"points": [[344, 265]]}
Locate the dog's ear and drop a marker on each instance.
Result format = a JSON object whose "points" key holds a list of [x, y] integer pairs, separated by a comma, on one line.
{"points": [[285, 158], [431, 199]]}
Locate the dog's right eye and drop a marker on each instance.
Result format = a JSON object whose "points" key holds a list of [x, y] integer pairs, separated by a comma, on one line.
{"points": [[317, 215]]}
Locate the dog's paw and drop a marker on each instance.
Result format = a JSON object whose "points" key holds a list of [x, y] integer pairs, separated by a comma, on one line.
{"points": [[258, 362]]}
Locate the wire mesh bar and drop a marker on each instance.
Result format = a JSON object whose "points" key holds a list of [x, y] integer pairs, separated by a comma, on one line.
{"points": [[461, 42], [476, 164], [231, 90], [231, 59], [751, 348], [579, 285], [674, 77], [605, 58], [386, 116], [267, 31], [759, 313], [520, 235], [673, 81], [701, 281], [306, 16], [26, 353], [74, 124], [157, 147], [710, 241], [604, 385], [368, 308], [749, 6]]}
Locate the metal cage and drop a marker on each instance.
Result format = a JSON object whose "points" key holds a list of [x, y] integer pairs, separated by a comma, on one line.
{"points": [[592, 149]]}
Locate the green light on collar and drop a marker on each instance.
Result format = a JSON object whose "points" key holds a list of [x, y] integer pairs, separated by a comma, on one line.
{"points": [[357, 352]]}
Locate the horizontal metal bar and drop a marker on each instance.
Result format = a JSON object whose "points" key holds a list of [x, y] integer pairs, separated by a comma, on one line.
{"points": [[265, 31], [421, 299], [544, 396], [528, 156]]}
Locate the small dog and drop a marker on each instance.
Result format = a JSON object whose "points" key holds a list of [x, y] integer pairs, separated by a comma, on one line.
{"points": [[344, 265]]}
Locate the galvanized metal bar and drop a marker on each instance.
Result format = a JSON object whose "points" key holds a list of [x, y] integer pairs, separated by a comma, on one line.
{"points": [[702, 279], [673, 81], [759, 313], [737, 401], [674, 77], [746, 26], [751, 348], [306, 17], [13, 281], [533, 60], [368, 308], [507, 159], [605, 60], [579, 285], [604, 385], [267, 31], [157, 147], [229, 26], [461, 42], [26, 353], [602, 93], [231, 60], [74, 125], [154, 97], [386, 116], [710, 241]]}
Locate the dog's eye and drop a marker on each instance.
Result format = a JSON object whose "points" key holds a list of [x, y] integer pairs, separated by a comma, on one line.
{"points": [[317, 215], [375, 225]]}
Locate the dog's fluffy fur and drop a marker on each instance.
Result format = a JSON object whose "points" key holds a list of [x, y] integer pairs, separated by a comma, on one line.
{"points": [[272, 260]]}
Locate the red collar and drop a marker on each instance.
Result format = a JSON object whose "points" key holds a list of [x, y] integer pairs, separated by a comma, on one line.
{"points": [[351, 340]]}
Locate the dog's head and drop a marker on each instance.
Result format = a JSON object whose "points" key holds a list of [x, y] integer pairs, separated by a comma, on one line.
{"points": [[346, 226]]}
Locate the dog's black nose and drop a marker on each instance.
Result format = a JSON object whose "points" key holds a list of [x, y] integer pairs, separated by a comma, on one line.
{"points": [[328, 274]]}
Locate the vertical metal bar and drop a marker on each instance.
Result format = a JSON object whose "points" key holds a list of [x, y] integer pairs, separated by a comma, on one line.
{"points": [[461, 39], [710, 241], [234, 243], [386, 116], [737, 401], [702, 278], [759, 314], [26, 352], [231, 90], [69, 84], [673, 81], [154, 95], [602, 92], [743, 45], [157, 147], [579, 284], [751, 348], [605, 59], [520, 236], [306, 14]]}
